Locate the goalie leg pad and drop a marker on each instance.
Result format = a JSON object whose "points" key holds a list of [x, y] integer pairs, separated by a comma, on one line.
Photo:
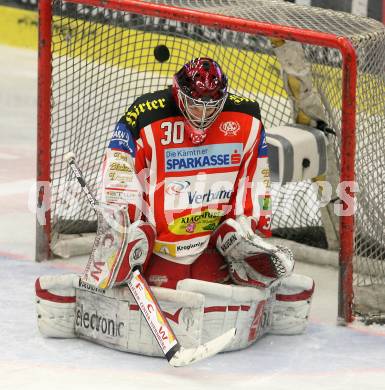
{"points": [[55, 305], [198, 311], [113, 318], [68, 307], [229, 306], [292, 305]]}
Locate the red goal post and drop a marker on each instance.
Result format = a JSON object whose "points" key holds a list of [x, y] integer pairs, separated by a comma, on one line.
{"points": [[220, 20]]}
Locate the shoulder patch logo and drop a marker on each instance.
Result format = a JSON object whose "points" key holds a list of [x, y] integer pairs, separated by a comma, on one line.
{"points": [[229, 128], [122, 139]]}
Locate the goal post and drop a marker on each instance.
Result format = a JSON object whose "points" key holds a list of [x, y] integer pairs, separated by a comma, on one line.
{"points": [[96, 57], [43, 171]]}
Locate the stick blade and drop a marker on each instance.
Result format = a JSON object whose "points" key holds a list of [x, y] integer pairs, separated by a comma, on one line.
{"points": [[186, 356]]}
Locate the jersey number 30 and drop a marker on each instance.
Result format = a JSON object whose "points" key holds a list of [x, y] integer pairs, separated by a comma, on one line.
{"points": [[173, 132]]}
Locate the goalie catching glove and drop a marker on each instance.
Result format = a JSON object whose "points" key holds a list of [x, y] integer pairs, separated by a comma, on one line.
{"points": [[252, 260]]}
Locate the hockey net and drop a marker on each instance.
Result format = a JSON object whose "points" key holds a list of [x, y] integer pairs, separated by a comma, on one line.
{"points": [[96, 57]]}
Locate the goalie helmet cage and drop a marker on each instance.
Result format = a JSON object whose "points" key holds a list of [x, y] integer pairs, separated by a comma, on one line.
{"points": [[96, 57]]}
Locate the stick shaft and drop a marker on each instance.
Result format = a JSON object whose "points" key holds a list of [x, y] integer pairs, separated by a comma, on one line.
{"points": [[153, 314], [80, 178]]}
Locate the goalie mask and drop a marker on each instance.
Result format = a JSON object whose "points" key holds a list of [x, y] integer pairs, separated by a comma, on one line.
{"points": [[200, 89]]}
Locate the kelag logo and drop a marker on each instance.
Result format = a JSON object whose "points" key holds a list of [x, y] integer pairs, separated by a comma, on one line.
{"points": [[203, 157]]}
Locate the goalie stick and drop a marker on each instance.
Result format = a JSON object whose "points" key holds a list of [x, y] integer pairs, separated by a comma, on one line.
{"points": [[176, 354]]}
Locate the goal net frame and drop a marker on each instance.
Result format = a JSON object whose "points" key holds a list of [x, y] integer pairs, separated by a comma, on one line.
{"points": [[348, 124]]}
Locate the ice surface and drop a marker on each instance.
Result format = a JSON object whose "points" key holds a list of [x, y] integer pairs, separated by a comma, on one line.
{"points": [[325, 357]]}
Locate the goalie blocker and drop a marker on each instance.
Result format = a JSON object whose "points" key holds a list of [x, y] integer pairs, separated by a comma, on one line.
{"points": [[198, 311]]}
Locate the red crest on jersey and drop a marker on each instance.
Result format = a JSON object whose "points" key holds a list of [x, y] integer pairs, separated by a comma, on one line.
{"points": [[230, 127]]}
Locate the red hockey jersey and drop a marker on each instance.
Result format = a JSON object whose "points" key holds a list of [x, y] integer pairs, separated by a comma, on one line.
{"points": [[186, 190]]}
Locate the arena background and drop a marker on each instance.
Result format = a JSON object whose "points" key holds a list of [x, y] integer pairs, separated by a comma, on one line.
{"points": [[18, 18]]}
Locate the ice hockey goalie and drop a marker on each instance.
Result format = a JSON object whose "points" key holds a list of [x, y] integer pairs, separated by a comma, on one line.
{"points": [[185, 197]]}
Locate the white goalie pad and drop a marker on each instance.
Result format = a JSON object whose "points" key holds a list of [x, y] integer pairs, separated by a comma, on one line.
{"points": [[197, 311], [114, 319], [55, 305], [68, 307], [292, 305], [296, 152], [247, 309]]}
